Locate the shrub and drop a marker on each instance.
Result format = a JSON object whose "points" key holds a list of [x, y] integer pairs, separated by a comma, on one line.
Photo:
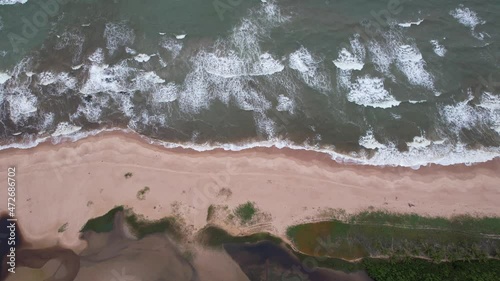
{"points": [[141, 194], [245, 212]]}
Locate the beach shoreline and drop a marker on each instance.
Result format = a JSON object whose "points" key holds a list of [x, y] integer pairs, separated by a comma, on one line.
{"points": [[72, 182]]}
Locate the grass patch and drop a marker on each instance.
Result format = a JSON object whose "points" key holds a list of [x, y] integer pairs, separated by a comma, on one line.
{"points": [[399, 236], [141, 194], [128, 175], [245, 212], [103, 223], [422, 270], [486, 225]]}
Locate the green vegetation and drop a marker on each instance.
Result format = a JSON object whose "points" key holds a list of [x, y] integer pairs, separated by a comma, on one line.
{"points": [[245, 212], [400, 236], [128, 175], [379, 269], [139, 226], [210, 212], [458, 223], [141, 194], [62, 228], [462, 248], [142, 227], [103, 223], [421, 270]]}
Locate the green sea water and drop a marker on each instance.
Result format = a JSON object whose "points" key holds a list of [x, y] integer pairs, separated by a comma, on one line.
{"points": [[403, 83]]}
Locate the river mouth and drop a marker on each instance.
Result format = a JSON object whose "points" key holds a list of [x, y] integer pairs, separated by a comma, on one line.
{"points": [[274, 262]]}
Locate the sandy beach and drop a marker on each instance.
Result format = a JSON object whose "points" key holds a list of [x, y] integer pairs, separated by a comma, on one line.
{"points": [[73, 182]]}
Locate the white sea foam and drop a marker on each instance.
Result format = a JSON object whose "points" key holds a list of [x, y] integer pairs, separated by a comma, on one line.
{"points": [[395, 115], [381, 57], [145, 118], [438, 152], [417, 101], [117, 83], [412, 64], [65, 128], [46, 78], [409, 24], [146, 81], [233, 66], [48, 121], [22, 104], [142, 58], [468, 18], [130, 51], [265, 126], [441, 154], [166, 93], [97, 56], [118, 35], [396, 49], [419, 142], [461, 115], [228, 73], [285, 104], [4, 77], [464, 115], [63, 81], [92, 110], [24, 66], [124, 100], [174, 46], [225, 81], [12, 2], [347, 61], [72, 40], [308, 68], [161, 61], [439, 49], [246, 36], [105, 78], [491, 103], [30, 141], [370, 91], [369, 141], [76, 67], [351, 59], [112, 80]]}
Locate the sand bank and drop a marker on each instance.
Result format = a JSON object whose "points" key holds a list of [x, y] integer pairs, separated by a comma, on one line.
{"points": [[73, 182]]}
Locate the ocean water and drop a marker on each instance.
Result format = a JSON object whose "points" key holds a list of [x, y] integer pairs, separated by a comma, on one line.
{"points": [[379, 82]]}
